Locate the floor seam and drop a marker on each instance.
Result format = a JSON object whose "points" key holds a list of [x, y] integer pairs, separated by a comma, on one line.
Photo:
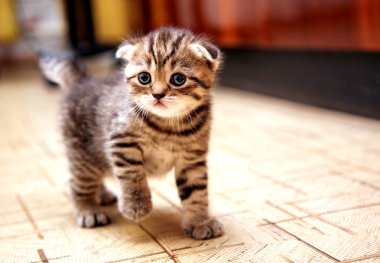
{"points": [[303, 241], [161, 244], [361, 258], [29, 216], [312, 215]]}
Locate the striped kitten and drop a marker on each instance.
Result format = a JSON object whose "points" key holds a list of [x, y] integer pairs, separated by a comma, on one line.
{"points": [[152, 117]]}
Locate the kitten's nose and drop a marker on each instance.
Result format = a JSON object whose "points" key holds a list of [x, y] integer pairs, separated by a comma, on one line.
{"points": [[158, 95]]}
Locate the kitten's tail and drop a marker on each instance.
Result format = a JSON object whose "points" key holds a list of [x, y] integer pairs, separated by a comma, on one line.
{"points": [[61, 67]]}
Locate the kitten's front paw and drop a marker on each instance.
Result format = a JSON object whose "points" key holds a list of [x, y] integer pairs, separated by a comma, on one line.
{"points": [[92, 219], [202, 229], [136, 210]]}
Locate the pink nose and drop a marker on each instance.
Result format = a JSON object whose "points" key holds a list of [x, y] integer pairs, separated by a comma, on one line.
{"points": [[158, 95]]}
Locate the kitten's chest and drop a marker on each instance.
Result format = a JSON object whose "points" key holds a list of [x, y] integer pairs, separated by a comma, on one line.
{"points": [[158, 160]]}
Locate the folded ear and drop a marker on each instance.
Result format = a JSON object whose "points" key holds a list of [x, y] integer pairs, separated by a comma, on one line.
{"points": [[207, 50], [125, 51]]}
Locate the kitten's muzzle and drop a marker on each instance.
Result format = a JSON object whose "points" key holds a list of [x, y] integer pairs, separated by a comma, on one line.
{"points": [[158, 95]]}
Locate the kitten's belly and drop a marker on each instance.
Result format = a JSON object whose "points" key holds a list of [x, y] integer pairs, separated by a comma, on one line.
{"points": [[158, 161]]}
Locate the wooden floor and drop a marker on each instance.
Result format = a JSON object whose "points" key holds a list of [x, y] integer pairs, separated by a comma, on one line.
{"points": [[291, 183]]}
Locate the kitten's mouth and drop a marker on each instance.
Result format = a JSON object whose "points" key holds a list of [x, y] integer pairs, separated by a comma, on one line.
{"points": [[160, 104]]}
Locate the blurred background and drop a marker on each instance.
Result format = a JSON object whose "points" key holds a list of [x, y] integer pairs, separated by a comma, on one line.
{"points": [[320, 52]]}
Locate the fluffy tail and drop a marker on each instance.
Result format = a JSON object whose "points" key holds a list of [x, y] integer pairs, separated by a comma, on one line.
{"points": [[63, 68]]}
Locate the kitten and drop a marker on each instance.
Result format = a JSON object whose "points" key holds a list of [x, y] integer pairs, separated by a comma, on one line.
{"points": [[153, 116]]}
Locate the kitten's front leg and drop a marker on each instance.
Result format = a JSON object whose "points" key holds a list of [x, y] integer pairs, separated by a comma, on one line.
{"points": [[126, 158], [191, 180]]}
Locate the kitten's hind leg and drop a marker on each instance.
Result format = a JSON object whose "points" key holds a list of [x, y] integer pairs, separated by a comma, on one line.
{"points": [[86, 184]]}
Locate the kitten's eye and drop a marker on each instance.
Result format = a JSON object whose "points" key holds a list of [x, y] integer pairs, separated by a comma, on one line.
{"points": [[177, 79], [144, 78]]}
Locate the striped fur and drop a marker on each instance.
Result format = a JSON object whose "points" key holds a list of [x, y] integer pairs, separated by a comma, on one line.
{"points": [[115, 125], [63, 68]]}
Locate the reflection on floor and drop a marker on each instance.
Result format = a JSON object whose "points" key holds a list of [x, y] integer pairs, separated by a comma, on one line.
{"points": [[291, 183]]}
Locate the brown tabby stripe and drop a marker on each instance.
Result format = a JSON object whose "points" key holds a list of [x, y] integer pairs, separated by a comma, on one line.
{"points": [[186, 132], [138, 89], [199, 82], [151, 43], [175, 46], [89, 167], [123, 135], [181, 180], [120, 164], [87, 187], [193, 166], [209, 64], [127, 145], [78, 169], [188, 190], [77, 181], [195, 96], [133, 176], [164, 37], [148, 61], [131, 77], [76, 185], [86, 178], [126, 160], [197, 152], [197, 111], [80, 194], [204, 177], [130, 171], [173, 63], [201, 203], [83, 158]]}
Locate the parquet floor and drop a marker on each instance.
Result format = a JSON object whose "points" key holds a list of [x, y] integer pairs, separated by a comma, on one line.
{"points": [[291, 183]]}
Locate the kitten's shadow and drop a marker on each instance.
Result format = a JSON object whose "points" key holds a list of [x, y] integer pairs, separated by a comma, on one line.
{"points": [[163, 217]]}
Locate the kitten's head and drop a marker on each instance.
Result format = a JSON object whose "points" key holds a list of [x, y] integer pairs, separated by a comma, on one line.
{"points": [[170, 71]]}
